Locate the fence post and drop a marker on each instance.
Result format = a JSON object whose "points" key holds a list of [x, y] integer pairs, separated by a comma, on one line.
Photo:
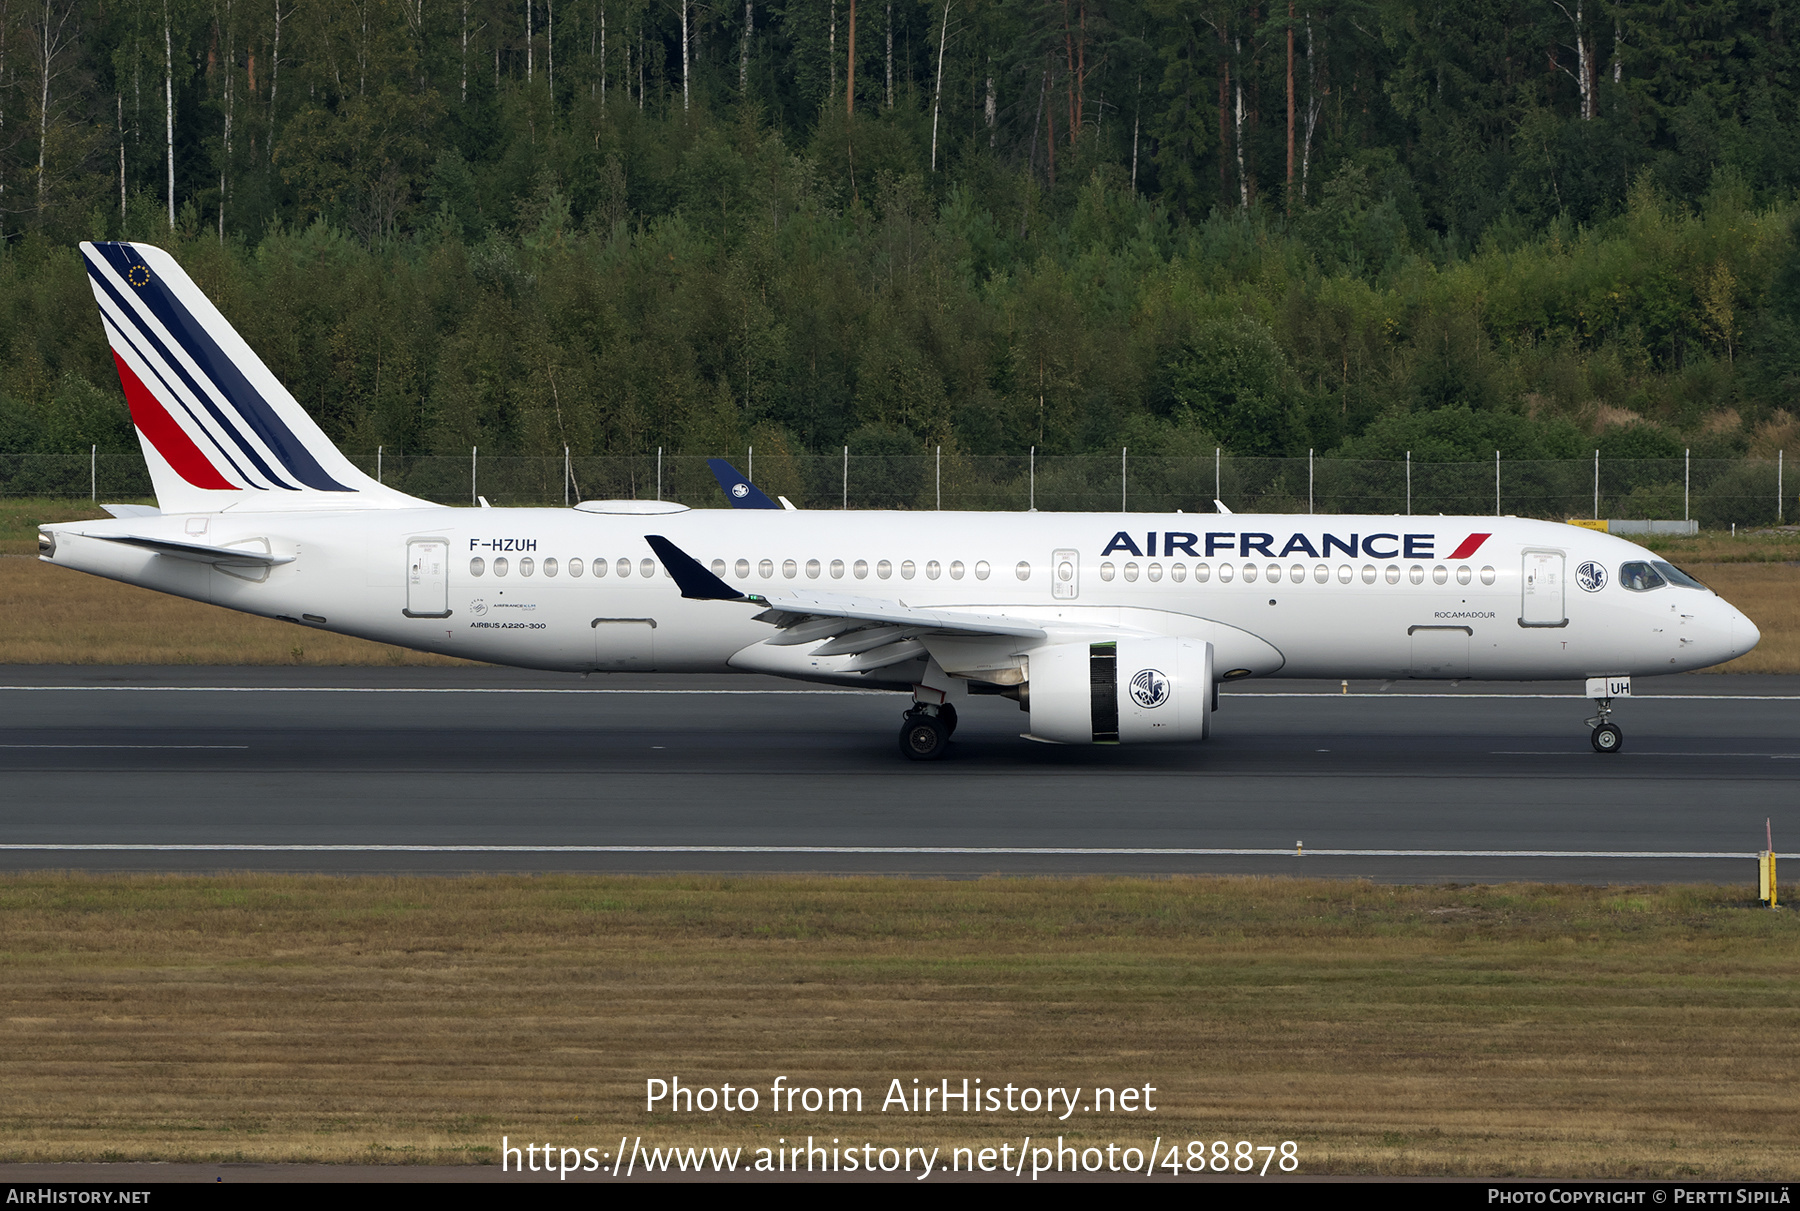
{"points": [[750, 463], [94, 472], [1122, 452], [1780, 515], [846, 477], [473, 498], [1409, 483], [1687, 480], [940, 479], [1218, 495], [1596, 485], [378, 450], [565, 477], [1496, 483], [1309, 479], [1032, 506], [659, 473]]}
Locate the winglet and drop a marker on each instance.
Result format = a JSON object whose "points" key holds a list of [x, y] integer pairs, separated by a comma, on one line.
{"points": [[739, 491], [694, 580]]}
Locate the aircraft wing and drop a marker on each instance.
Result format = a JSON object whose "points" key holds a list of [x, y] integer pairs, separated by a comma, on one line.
{"points": [[199, 552]]}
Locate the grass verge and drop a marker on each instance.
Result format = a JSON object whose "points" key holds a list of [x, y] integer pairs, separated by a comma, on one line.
{"points": [[1518, 1029]]}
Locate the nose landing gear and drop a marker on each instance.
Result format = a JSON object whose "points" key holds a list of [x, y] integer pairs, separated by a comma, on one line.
{"points": [[1607, 736]]}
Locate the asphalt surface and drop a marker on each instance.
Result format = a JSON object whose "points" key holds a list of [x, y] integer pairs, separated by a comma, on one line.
{"points": [[434, 770]]}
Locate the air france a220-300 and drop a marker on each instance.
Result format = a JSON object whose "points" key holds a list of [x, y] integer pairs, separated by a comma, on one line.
{"points": [[1104, 628]]}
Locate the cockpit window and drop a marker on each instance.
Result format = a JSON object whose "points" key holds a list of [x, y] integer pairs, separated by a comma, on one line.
{"points": [[1640, 577], [1675, 575]]}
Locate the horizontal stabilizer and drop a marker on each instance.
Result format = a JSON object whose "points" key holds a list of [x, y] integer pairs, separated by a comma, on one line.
{"points": [[199, 552]]}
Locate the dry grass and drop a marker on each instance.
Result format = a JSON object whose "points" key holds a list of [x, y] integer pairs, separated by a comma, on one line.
{"points": [[1513, 1030]]}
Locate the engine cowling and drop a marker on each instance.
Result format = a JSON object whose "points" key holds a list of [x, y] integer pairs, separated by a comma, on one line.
{"points": [[1124, 691]]}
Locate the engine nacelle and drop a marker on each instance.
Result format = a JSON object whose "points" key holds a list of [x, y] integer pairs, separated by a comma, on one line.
{"points": [[1126, 691]]}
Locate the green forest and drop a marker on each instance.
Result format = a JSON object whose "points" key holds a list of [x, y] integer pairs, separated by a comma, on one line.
{"points": [[1360, 229]]}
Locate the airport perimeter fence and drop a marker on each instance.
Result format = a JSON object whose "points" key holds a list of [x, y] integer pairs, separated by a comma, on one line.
{"points": [[1715, 492]]}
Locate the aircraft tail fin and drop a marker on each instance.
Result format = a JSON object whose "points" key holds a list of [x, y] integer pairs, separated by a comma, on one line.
{"points": [[217, 428], [739, 491]]}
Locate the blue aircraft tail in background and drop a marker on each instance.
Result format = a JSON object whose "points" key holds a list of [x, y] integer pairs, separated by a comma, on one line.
{"points": [[738, 490]]}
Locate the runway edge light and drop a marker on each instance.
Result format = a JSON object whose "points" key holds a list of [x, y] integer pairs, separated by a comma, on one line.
{"points": [[1765, 868]]}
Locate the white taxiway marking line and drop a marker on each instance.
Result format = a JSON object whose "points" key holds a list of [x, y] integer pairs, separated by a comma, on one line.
{"points": [[344, 689], [891, 849], [125, 745]]}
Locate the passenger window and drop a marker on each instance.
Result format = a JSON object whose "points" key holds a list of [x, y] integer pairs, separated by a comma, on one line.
{"points": [[501, 566], [907, 569], [527, 566], [1297, 574], [1368, 573], [1322, 574], [550, 566], [1154, 572], [1346, 573], [1023, 571], [718, 567], [1249, 573], [576, 567], [1487, 576], [932, 569], [1274, 573], [956, 569], [623, 567], [1107, 571], [1131, 571], [837, 569], [742, 568], [766, 569], [599, 568], [1225, 573], [477, 566], [1178, 572], [1203, 573], [1639, 577], [1416, 575], [1393, 574], [812, 569], [1462, 574], [1440, 574], [884, 569], [862, 569], [789, 568], [647, 568], [982, 569]]}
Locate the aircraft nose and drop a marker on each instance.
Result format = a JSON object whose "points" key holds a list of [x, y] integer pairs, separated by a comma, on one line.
{"points": [[1745, 634]]}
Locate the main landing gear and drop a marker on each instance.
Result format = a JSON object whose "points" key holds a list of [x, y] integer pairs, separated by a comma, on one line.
{"points": [[925, 730], [1607, 736]]}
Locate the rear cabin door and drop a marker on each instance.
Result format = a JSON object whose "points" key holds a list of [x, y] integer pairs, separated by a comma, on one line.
{"points": [[1542, 601], [427, 578]]}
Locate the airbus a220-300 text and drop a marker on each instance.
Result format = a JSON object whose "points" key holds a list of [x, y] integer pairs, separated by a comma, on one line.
{"points": [[1104, 628]]}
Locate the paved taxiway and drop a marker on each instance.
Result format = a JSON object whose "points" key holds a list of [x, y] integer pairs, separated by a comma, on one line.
{"points": [[530, 771]]}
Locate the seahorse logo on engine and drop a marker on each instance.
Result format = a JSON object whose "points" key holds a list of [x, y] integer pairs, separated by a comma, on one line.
{"points": [[1150, 688]]}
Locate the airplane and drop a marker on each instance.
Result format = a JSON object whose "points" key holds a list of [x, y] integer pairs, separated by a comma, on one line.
{"points": [[1104, 628]]}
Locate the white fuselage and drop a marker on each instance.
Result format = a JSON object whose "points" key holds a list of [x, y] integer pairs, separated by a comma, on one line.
{"points": [[1272, 595]]}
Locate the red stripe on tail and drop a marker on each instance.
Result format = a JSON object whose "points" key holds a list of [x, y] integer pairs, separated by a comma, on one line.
{"points": [[1469, 546], [170, 439]]}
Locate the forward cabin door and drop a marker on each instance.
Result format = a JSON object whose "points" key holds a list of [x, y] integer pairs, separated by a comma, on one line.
{"points": [[1542, 603], [427, 578]]}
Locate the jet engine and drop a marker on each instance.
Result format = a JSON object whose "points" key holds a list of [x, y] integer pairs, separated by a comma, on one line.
{"points": [[1123, 691]]}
